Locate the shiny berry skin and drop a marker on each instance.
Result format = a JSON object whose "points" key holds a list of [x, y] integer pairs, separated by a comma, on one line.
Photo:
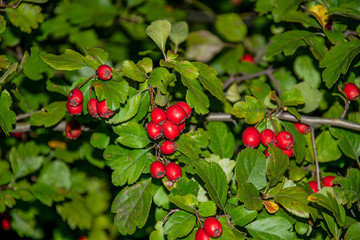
{"points": [[170, 130], [313, 186], [201, 235], [104, 72], [284, 140], [103, 110], [73, 129], [154, 131], [157, 169], [351, 91], [248, 58], [302, 128], [168, 147], [5, 224], [267, 136], [327, 181], [74, 110], [75, 97], [251, 137], [176, 114], [212, 227], [186, 108], [173, 172], [158, 116], [289, 152], [91, 107], [181, 127]]}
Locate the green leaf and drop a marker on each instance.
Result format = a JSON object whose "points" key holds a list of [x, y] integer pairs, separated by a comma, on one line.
{"points": [[332, 226], [50, 115], [179, 225], [292, 97], [2, 25], [195, 96], [271, 228], [259, 89], [222, 140], [210, 81], [250, 196], [305, 69], [131, 70], [348, 141], [69, 60], [131, 206], [251, 167], [351, 185], [187, 146], [337, 61], [276, 165], [252, 110], [186, 69], [185, 186], [188, 202], [146, 64], [127, 164], [179, 32], [158, 233], [287, 42], [229, 232], [132, 135], [62, 178], [7, 117], [100, 140], [282, 7], [34, 66], [242, 216], [326, 147], [353, 232], [300, 17], [143, 108], [215, 181], [115, 92], [5, 173], [345, 11], [312, 97], [157, 76], [26, 16], [159, 31], [97, 54], [207, 209], [231, 26]]}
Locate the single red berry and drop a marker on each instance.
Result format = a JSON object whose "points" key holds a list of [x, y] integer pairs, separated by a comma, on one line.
{"points": [[16, 134], [74, 110], [212, 227], [313, 186], [176, 114], [75, 97], [5, 224], [103, 110], [302, 128], [247, 58], [201, 235], [284, 140], [83, 238], [91, 107], [181, 127], [158, 116], [73, 129], [289, 152], [251, 137], [104, 72], [170, 130], [154, 131], [186, 108], [157, 169], [327, 181], [267, 136], [351, 91], [168, 147], [173, 171]]}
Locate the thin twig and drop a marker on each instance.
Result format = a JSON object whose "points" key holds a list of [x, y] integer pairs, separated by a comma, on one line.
{"points": [[317, 169], [171, 212], [26, 115], [276, 84], [346, 108]]}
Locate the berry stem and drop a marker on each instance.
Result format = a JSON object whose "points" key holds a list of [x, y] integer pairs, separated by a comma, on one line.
{"points": [[346, 108], [152, 101], [82, 84], [169, 213], [317, 169]]}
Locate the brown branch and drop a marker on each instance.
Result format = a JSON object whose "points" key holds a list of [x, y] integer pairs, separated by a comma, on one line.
{"points": [[26, 127], [316, 161], [171, 212], [26, 115]]}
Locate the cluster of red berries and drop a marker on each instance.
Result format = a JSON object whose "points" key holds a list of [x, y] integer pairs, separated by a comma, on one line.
{"points": [[212, 228], [351, 91], [5, 221], [326, 182], [95, 108], [172, 171], [168, 124]]}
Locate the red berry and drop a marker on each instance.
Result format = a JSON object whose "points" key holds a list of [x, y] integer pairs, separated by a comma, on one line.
{"points": [[91, 107], [83, 238], [302, 128], [181, 127], [154, 131], [16, 134], [327, 181], [104, 72], [186, 108], [75, 97], [168, 147], [173, 171], [289, 152], [73, 129], [103, 110], [351, 91], [267, 136], [158, 116], [5, 224], [251, 137], [74, 110], [212, 227], [284, 140], [201, 235], [176, 114], [248, 58], [157, 169], [313, 186], [170, 130]]}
